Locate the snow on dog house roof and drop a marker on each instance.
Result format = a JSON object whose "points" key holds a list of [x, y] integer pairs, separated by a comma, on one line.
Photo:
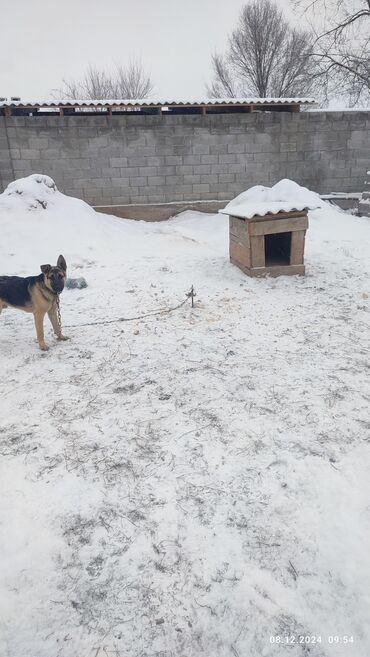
{"points": [[154, 105], [285, 196]]}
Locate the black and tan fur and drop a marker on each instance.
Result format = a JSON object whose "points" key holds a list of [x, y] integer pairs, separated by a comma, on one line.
{"points": [[37, 295]]}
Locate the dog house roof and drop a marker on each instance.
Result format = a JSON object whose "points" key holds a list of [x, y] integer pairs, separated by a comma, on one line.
{"points": [[248, 210], [285, 196]]}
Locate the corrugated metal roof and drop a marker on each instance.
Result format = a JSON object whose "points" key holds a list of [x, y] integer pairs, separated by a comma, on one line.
{"points": [[250, 210], [156, 102]]}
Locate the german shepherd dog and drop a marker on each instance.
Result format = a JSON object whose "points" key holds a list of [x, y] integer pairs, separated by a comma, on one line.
{"points": [[37, 295]]}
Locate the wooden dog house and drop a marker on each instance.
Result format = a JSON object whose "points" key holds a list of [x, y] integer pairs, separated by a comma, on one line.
{"points": [[271, 243]]}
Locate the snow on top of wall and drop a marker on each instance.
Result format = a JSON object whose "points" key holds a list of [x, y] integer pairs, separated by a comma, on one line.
{"points": [[285, 196]]}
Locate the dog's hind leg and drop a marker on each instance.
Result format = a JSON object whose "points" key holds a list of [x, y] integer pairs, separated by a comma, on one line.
{"points": [[39, 323]]}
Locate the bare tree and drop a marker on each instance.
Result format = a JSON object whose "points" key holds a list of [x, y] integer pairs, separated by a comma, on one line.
{"points": [[130, 81], [266, 56], [341, 29], [224, 83]]}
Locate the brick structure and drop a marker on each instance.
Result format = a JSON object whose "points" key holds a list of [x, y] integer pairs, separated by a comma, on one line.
{"points": [[269, 244], [120, 160]]}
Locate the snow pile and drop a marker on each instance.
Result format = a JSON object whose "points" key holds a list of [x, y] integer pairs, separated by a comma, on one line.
{"points": [[55, 223], [32, 193], [192, 483], [285, 196]]}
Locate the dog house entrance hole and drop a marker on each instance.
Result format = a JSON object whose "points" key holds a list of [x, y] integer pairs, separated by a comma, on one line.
{"points": [[277, 249]]}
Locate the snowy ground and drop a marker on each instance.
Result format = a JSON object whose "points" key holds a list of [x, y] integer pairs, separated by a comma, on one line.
{"points": [[187, 485]]}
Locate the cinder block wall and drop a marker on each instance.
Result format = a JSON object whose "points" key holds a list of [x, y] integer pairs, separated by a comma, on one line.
{"points": [[115, 160]]}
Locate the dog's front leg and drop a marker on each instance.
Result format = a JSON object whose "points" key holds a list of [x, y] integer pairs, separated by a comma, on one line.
{"points": [[39, 323], [52, 314]]}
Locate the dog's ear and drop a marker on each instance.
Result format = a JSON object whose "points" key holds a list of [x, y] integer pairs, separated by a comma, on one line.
{"points": [[45, 268], [62, 263]]}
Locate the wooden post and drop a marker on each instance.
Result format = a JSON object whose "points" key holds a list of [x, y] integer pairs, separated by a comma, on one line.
{"points": [[258, 250], [297, 247]]}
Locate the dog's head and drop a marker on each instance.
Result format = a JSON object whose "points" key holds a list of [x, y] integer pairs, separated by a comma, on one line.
{"points": [[55, 277]]}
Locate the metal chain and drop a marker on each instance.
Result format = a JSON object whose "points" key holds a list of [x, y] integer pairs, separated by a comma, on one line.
{"points": [[58, 312], [161, 311]]}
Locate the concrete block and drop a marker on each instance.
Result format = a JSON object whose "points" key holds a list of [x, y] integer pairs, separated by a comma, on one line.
{"points": [[148, 151], [139, 181], [312, 156], [121, 183], [155, 161], [226, 177], [157, 198], [22, 165], [157, 180], [148, 171], [224, 168], [184, 169], [80, 163], [191, 159], [139, 198], [236, 187], [191, 179], [174, 180], [123, 199], [15, 153], [173, 159], [50, 154], [201, 187], [227, 158], [38, 143], [209, 178], [209, 159], [236, 148], [167, 170], [243, 158], [295, 156], [184, 189], [130, 172], [200, 149], [235, 168], [87, 133], [17, 121], [29, 154], [118, 162], [203, 168], [95, 143], [218, 149], [290, 146]]}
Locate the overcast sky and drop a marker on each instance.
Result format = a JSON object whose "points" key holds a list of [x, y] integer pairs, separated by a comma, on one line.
{"points": [[42, 42]]}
